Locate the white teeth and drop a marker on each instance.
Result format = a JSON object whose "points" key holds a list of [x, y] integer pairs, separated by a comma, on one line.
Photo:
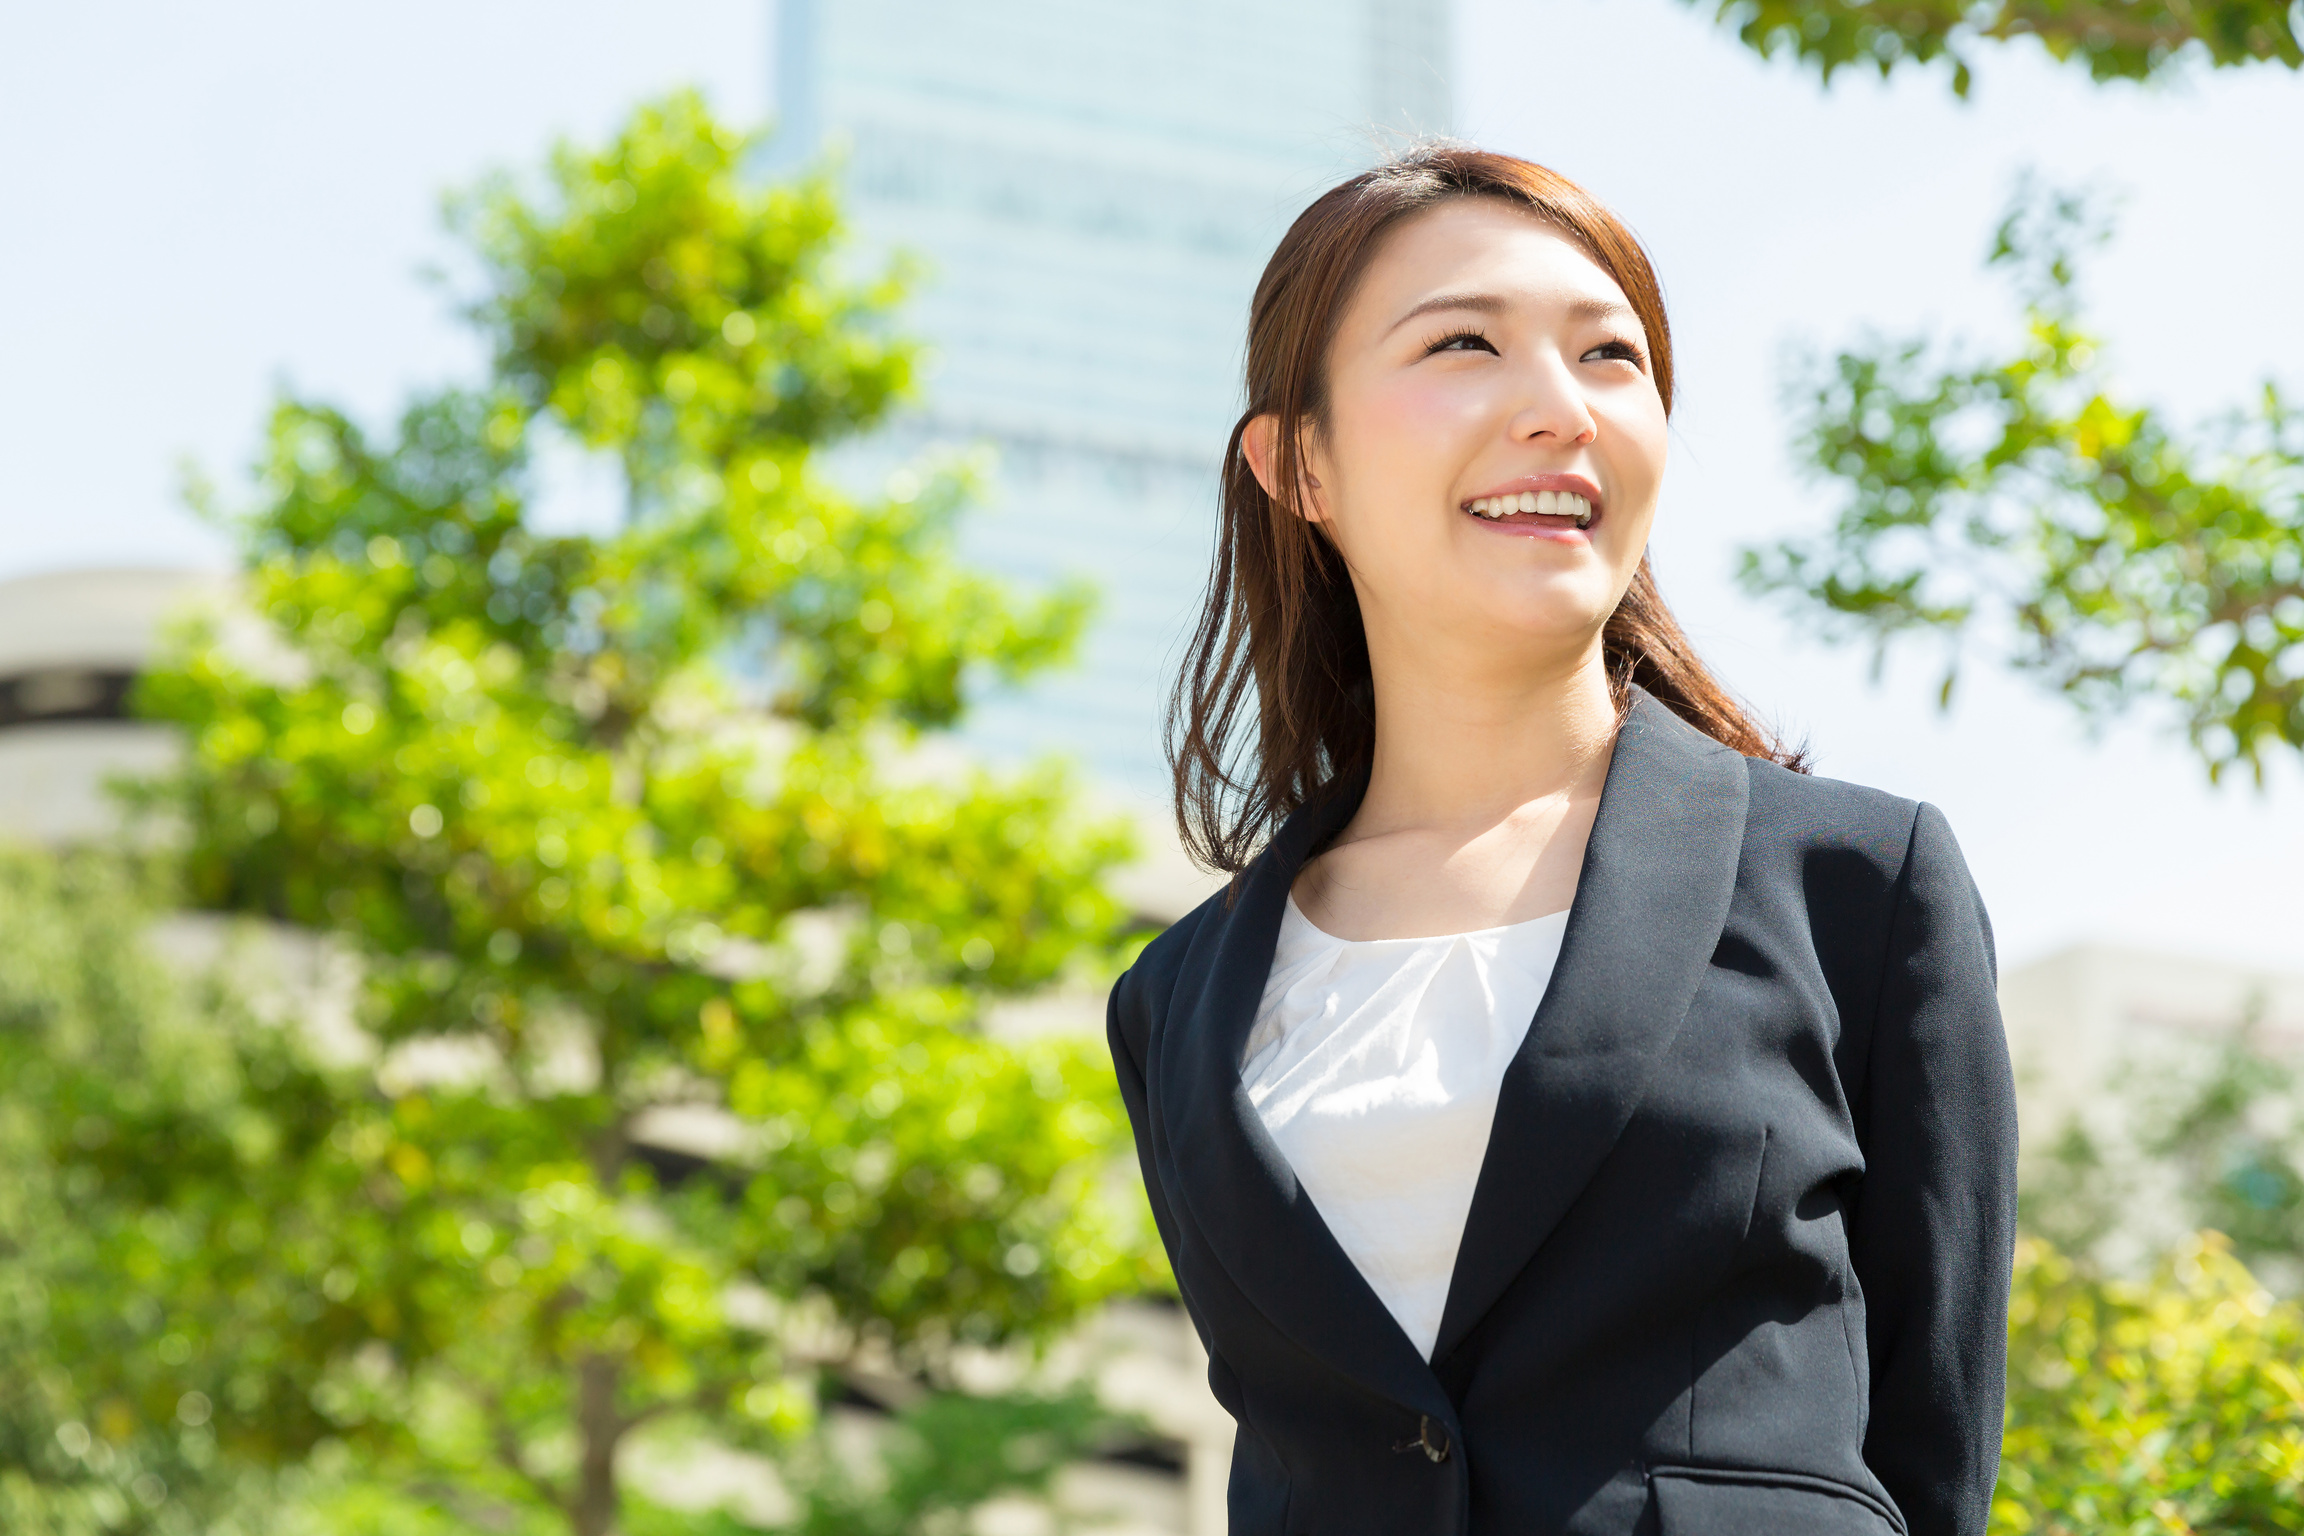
{"points": [[1543, 503]]}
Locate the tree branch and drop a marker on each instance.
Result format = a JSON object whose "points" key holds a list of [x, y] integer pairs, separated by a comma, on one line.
{"points": [[592, 1509], [700, 1400], [509, 1451]]}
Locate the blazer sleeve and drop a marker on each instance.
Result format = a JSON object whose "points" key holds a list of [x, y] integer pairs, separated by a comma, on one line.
{"points": [[1933, 1227]]}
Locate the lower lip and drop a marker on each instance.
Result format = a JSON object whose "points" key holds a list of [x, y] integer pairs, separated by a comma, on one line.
{"points": [[1559, 530]]}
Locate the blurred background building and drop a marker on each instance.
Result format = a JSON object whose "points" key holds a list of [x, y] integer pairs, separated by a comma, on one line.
{"points": [[1094, 186], [71, 644]]}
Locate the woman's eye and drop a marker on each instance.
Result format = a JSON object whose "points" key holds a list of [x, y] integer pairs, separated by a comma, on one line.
{"points": [[1461, 341], [1616, 351]]}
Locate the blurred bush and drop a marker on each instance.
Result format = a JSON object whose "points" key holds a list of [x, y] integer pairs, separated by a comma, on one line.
{"points": [[2169, 1405], [133, 1104], [612, 827]]}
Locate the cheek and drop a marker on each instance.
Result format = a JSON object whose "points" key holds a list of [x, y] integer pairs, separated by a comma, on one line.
{"points": [[1641, 434], [1633, 446], [1403, 438], [1425, 416]]}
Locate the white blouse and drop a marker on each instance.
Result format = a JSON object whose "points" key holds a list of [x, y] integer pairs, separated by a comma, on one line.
{"points": [[1375, 1065]]}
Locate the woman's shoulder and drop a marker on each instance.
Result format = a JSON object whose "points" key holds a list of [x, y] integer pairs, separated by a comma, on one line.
{"points": [[1144, 988], [1813, 811], [1884, 841]]}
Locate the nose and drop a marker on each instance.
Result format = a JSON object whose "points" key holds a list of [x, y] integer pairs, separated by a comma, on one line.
{"points": [[1551, 405]]}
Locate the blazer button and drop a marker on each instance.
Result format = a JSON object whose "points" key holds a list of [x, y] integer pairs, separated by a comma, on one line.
{"points": [[1431, 1438]]}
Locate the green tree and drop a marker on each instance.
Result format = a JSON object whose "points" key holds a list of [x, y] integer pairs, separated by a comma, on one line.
{"points": [[2111, 39], [2166, 1406], [2113, 555], [632, 822], [163, 1371]]}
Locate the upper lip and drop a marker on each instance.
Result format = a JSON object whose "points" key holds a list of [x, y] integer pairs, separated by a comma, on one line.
{"points": [[1545, 482]]}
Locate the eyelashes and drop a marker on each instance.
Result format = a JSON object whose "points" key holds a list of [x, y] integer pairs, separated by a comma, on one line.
{"points": [[1455, 341], [1469, 340]]}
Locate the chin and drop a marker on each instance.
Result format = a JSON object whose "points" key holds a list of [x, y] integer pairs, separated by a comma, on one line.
{"points": [[1560, 611], [1557, 635]]}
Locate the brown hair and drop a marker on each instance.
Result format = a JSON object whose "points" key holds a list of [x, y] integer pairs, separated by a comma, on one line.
{"points": [[1280, 617]]}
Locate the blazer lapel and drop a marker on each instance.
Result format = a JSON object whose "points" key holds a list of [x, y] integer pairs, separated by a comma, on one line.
{"points": [[1242, 1194], [1650, 903]]}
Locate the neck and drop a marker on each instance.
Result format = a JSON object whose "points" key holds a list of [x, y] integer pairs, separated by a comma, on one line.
{"points": [[1464, 742]]}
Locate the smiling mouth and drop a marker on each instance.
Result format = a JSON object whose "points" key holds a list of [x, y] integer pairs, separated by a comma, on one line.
{"points": [[1571, 509]]}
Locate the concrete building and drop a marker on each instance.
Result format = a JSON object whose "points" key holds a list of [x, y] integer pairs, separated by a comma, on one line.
{"points": [[71, 644], [2081, 1016]]}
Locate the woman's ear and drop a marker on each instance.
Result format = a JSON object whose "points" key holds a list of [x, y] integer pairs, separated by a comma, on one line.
{"points": [[1257, 444], [1260, 443]]}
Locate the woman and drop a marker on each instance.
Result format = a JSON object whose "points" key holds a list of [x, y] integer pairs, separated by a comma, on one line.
{"points": [[1574, 1117]]}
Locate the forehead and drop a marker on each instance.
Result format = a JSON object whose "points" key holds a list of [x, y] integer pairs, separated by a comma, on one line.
{"points": [[1477, 245]]}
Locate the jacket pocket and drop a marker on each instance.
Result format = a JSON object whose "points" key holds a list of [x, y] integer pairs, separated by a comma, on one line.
{"points": [[1717, 1501]]}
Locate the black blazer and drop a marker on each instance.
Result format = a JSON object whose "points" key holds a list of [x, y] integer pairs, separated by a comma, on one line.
{"points": [[1738, 1257]]}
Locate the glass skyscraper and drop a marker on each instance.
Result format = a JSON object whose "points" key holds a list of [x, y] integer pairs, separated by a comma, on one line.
{"points": [[1095, 185]]}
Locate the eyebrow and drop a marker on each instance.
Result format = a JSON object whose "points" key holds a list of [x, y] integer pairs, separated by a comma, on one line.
{"points": [[1495, 304]]}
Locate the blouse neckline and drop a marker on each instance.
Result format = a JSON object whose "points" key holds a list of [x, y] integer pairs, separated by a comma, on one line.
{"points": [[1325, 936]]}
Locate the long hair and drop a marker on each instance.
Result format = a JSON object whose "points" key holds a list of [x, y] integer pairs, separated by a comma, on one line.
{"points": [[1279, 631]]}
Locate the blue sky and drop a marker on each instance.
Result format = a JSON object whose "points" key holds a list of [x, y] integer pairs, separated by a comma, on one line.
{"points": [[201, 202]]}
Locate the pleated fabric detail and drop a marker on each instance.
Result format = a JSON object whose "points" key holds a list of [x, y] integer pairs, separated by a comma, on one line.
{"points": [[1375, 1065]]}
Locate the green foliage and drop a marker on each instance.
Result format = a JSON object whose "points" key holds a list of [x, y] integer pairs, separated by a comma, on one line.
{"points": [[112, 1410], [2111, 39], [618, 825], [920, 1472], [2077, 1192], [2171, 1405], [735, 333], [947, 1457], [182, 1267], [2126, 560]]}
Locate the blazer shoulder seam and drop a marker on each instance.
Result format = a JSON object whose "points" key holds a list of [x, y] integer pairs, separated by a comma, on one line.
{"points": [[1816, 787], [1902, 889]]}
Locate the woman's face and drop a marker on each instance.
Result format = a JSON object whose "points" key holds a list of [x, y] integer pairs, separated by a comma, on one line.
{"points": [[1487, 366]]}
